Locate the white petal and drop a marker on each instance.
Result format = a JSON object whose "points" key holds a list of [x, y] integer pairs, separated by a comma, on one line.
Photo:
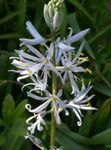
{"points": [[23, 77], [65, 47], [35, 51], [41, 107], [56, 114], [79, 123], [36, 97]]}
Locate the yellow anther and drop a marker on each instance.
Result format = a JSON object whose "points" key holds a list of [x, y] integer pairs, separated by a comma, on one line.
{"points": [[88, 70], [83, 59]]}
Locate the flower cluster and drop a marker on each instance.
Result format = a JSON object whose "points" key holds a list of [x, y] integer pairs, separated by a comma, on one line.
{"points": [[61, 60]]}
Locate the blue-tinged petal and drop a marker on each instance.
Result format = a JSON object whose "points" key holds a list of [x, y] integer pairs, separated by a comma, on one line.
{"points": [[75, 88], [29, 41], [87, 99], [34, 51], [65, 47], [33, 31], [82, 94], [38, 38], [76, 37], [22, 54], [53, 68], [59, 94]]}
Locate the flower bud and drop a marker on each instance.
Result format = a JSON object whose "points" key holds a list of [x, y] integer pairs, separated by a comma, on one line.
{"points": [[53, 14]]}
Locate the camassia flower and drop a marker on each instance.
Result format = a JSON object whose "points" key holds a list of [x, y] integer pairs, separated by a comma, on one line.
{"points": [[39, 122], [70, 67], [78, 103], [30, 64], [64, 46], [37, 84], [53, 100]]}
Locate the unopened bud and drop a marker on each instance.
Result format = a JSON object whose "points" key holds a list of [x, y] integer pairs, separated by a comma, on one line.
{"points": [[53, 14]]}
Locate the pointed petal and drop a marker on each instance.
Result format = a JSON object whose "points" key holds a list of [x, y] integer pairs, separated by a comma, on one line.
{"points": [[65, 47], [79, 52], [34, 32], [75, 88], [76, 37], [35, 51]]}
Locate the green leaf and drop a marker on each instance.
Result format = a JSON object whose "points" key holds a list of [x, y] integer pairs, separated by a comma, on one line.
{"points": [[82, 9], [102, 89], [70, 140], [86, 126], [2, 139], [22, 12], [8, 108], [101, 138], [3, 66], [1, 122], [72, 135], [8, 18], [20, 109], [68, 144], [74, 24], [13, 143], [101, 33], [19, 129], [101, 116], [64, 23], [10, 35]]}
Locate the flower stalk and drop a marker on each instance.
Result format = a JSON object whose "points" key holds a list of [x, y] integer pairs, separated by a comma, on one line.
{"points": [[54, 87], [64, 62]]}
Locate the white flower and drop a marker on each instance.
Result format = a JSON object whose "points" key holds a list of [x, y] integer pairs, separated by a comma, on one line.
{"points": [[38, 39], [64, 47], [30, 64], [70, 67], [79, 102], [54, 100], [35, 122], [37, 84]]}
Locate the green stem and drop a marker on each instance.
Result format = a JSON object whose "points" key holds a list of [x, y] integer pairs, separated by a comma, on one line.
{"points": [[53, 123], [54, 86]]}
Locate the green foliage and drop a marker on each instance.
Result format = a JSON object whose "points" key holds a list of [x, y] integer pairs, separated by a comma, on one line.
{"points": [[13, 124], [95, 132]]}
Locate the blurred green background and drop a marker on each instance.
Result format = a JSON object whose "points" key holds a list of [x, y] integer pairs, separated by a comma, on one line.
{"points": [[95, 133]]}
